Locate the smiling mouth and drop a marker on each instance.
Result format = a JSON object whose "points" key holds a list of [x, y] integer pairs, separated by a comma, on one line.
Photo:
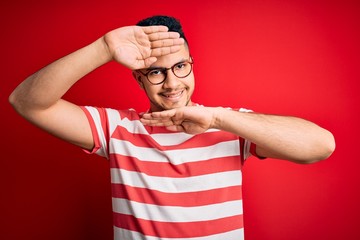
{"points": [[172, 95]]}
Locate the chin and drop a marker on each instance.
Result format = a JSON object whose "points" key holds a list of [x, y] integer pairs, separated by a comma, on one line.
{"points": [[164, 105]]}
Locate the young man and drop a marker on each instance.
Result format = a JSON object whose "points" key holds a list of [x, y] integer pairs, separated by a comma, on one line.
{"points": [[175, 170]]}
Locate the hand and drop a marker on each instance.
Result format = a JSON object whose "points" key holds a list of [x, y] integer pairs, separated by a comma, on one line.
{"points": [[138, 47], [191, 119]]}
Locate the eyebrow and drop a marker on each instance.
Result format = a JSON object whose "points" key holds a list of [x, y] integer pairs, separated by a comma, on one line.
{"points": [[155, 67]]}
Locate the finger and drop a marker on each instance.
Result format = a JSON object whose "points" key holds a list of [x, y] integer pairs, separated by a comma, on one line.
{"points": [[163, 35], [166, 121], [149, 116], [157, 117], [154, 29], [161, 114], [167, 43], [148, 119], [156, 123]]}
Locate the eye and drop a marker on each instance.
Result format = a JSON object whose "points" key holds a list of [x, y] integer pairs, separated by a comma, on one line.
{"points": [[155, 72], [180, 66]]}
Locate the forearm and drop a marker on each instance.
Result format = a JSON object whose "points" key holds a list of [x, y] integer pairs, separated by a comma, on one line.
{"points": [[44, 88], [281, 137]]}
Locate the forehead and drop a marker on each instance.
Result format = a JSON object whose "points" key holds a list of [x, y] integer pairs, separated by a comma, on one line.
{"points": [[169, 60]]}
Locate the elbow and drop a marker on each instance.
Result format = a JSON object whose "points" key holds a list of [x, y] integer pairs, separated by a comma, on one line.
{"points": [[18, 103], [15, 102], [329, 146], [323, 150], [12, 100]]}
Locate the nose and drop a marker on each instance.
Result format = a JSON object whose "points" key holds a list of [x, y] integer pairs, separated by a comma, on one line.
{"points": [[171, 81]]}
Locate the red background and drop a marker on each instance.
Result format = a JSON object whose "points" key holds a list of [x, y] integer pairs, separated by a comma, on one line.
{"points": [[285, 57]]}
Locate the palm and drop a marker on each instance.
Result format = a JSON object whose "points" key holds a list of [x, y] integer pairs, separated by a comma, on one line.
{"points": [[137, 47], [129, 46]]}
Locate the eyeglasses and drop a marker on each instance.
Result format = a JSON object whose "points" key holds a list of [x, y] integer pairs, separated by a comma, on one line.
{"points": [[157, 76]]}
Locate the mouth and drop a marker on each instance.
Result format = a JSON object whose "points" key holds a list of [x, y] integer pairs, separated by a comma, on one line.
{"points": [[172, 95]]}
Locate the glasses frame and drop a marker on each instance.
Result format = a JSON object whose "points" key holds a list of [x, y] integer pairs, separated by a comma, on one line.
{"points": [[165, 71]]}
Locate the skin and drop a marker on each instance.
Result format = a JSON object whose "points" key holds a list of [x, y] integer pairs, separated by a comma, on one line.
{"points": [[174, 92], [39, 98]]}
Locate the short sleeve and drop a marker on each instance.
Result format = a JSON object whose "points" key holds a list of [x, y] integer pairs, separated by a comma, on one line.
{"points": [[98, 121]]}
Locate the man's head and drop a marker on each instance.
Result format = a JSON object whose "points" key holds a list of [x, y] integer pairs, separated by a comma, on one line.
{"points": [[172, 23], [178, 84]]}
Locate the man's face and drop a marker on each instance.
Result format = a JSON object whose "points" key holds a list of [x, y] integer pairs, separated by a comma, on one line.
{"points": [[174, 91]]}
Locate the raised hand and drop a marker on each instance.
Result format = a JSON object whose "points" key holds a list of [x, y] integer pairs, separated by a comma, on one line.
{"points": [[138, 47], [191, 119]]}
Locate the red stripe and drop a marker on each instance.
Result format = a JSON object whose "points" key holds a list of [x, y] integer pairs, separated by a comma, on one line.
{"points": [[166, 169], [129, 114], [178, 230], [202, 140], [189, 199]]}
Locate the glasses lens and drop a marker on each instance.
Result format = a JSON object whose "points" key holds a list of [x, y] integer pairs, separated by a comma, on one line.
{"points": [[182, 70], [156, 76]]}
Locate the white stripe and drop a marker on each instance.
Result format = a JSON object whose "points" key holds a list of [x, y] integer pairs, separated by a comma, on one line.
{"points": [[176, 185], [176, 213], [179, 156], [97, 120], [166, 139], [124, 234], [114, 119], [175, 138], [132, 126]]}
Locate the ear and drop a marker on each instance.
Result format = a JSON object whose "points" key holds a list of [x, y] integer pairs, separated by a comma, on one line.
{"points": [[138, 79]]}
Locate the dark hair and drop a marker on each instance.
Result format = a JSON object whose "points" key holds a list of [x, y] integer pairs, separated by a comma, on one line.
{"points": [[172, 23]]}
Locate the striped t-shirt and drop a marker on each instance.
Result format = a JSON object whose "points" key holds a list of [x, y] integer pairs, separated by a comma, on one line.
{"points": [[170, 185]]}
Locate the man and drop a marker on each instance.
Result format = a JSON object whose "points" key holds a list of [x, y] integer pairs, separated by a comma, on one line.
{"points": [[176, 169]]}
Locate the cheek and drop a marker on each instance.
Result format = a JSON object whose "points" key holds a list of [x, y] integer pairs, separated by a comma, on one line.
{"points": [[150, 91], [191, 82]]}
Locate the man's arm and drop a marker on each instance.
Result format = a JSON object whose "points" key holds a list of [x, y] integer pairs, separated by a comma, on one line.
{"points": [[39, 97], [280, 137]]}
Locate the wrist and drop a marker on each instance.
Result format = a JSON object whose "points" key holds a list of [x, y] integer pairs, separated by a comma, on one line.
{"points": [[103, 50], [218, 115]]}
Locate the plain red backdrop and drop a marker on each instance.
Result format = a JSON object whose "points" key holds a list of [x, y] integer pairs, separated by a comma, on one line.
{"points": [[284, 57]]}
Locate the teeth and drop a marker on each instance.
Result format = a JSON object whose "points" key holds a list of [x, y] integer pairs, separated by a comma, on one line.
{"points": [[173, 95]]}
